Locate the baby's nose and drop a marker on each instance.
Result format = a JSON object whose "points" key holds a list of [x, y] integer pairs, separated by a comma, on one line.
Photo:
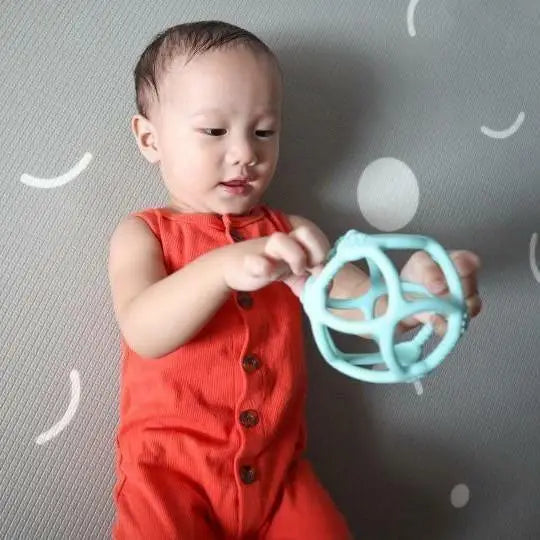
{"points": [[243, 153]]}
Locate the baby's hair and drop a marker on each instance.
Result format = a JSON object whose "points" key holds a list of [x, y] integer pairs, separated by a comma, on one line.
{"points": [[186, 40]]}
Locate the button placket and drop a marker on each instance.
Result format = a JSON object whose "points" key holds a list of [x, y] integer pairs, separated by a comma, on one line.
{"points": [[249, 418]]}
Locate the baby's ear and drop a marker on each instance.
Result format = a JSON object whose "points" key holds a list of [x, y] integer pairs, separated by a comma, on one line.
{"points": [[145, 135]]}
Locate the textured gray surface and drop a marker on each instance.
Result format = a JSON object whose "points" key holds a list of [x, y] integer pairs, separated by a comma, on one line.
{"points": [[359, 87]]}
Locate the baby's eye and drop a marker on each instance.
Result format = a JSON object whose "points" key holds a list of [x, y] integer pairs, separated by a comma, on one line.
{"points": [[265, 132], [214, 132]]}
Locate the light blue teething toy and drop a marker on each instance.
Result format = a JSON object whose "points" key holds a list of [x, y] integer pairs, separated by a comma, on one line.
{"points": [[402, 359]]}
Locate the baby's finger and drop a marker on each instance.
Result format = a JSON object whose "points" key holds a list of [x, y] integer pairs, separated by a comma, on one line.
{"points": [[469, 285], [437, 321], [316, 270], [314, 242], [466, 262], [439, 324], [474, 305], [281, 246]]}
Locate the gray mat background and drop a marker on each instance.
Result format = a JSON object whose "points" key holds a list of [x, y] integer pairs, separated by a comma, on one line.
{"points": [[358, 87]]}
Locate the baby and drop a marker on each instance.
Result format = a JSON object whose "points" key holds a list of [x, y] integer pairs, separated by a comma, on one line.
{"points": [[212, 429]]}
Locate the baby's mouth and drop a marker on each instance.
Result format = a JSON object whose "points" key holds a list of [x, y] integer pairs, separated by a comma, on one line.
{"points": [[237, 187], [235, 183]]}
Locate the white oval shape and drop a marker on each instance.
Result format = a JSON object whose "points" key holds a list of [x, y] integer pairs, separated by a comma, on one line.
{"points": [[532, 257], [459, 496], [388, 194], [57, 181], [410, 17], [504, 133], [52, 432]]}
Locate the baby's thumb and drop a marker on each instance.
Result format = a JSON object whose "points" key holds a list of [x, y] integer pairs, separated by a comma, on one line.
{"points": [[316, 270], [436, 321]]}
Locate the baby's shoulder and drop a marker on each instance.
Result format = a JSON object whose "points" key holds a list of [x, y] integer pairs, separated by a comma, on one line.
{"points": [[133, 233], [131, 225]]}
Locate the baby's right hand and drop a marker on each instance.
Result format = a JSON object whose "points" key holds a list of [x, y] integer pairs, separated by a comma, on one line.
{"points": [[253, 264]]}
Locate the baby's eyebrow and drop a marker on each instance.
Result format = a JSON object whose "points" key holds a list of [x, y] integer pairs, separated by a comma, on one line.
{"points": [[268, 112], [205, 111]]}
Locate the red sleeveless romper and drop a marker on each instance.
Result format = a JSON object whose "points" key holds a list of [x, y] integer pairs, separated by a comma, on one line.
{"points": [[211, 435]]}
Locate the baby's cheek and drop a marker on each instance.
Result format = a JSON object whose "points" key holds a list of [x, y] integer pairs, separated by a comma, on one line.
{"points": [[188, 164]]}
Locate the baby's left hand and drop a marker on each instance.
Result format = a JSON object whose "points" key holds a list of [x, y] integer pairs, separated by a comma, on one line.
{"points": [[421, 268]]}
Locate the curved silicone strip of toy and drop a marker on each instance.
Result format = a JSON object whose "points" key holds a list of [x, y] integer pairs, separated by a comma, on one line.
{"points": [[402, 359]]}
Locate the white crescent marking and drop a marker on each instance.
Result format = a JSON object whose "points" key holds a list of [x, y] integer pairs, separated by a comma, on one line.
{"points": [[52, 432], [504, 133], [410, 17], [47, 183], [532, 257]]}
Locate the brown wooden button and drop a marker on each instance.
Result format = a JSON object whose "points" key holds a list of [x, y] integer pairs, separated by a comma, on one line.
{"points": [[235, 235], [249, 418], [251, 363], [248, 474], [245, 300]]}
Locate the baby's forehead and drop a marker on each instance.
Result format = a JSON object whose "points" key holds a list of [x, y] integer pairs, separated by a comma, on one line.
{"points": [[195, 80], [220, 62]]}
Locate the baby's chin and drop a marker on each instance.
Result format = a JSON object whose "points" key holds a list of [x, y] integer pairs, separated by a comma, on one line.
{"points": [[236, 204], [236, 208]]}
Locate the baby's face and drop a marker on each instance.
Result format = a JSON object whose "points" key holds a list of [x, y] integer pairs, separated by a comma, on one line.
{"points": [[219, 118]]}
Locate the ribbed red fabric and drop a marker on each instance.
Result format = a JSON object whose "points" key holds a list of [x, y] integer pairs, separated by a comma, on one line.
{"points": [[209, 432]]}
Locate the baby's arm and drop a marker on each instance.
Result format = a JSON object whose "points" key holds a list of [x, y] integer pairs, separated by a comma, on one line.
{"points": [[157, 313]]}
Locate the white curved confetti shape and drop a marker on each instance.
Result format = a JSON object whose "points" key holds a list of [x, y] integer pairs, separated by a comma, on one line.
{"points": [[504, 133], [410, 17], [532, 257], [57, 181], [52, 432]]}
